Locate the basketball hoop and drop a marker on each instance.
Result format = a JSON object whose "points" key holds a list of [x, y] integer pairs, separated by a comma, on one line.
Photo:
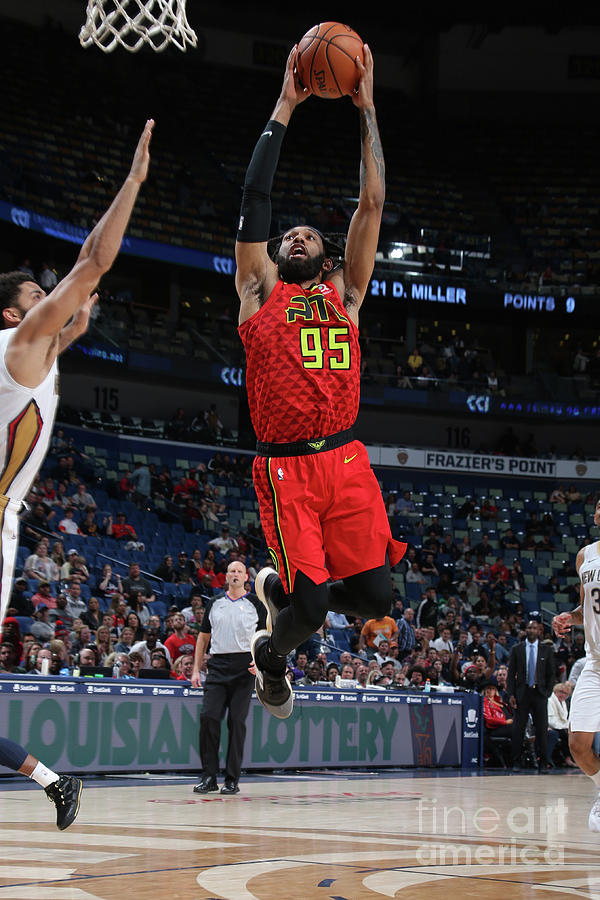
{"points": [[133, 23]]}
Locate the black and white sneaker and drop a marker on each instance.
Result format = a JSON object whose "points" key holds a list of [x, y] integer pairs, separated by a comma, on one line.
{"points": [[267, 585], [65, 794], [274, 691]]}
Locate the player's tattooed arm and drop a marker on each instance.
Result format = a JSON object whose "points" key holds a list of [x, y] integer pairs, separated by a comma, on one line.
{"points": [[363, 233], [372, 164]]}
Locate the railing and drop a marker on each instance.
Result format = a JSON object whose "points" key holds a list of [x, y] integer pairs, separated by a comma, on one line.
{"points": [[119, 562]]}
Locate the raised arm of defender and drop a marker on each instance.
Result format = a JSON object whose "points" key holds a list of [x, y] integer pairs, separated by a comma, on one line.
{"points": [[35, 344], [78, 324]]}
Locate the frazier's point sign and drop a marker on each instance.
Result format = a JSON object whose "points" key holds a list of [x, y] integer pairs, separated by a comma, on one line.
{"points": [[483, 464]]}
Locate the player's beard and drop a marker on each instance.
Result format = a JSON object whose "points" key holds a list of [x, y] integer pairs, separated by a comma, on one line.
{"points": [[295, 270]]}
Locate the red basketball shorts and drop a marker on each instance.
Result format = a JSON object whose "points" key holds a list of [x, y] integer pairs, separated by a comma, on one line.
{"points": [[323, 514]]}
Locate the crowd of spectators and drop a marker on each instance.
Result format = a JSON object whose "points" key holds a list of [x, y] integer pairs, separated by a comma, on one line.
{"points": [[448, 363], [459, 636], [454, 632], [82, 611], [442, 646]]}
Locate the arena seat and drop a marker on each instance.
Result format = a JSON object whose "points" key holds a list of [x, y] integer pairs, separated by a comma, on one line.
{"points": [[25, 623], [158, 608]]}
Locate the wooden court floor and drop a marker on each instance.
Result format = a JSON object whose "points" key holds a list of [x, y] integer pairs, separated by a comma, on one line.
{"points": [[307, 838]]}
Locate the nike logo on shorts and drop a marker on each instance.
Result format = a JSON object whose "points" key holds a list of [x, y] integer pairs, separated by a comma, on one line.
{"points": [[348, 459]]}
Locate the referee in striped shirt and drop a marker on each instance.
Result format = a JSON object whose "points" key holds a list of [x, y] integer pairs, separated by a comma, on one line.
{"points": [[229, 623]]}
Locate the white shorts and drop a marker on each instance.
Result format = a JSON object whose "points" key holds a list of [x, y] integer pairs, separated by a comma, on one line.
{"points": [[584, 714]]}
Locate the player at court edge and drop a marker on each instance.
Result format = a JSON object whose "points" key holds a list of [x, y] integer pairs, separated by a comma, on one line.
{"points": [[584, 712], [320, 504], [36, 328]]}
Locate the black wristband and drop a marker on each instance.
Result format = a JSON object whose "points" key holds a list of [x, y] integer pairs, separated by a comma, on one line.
{"points": [[255, 214]]}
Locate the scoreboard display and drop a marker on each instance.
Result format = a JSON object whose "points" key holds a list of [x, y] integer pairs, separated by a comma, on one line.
{"points": [[414, 294]]}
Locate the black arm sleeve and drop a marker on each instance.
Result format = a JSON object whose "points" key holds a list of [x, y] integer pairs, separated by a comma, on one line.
{"points": [[255, 214]]}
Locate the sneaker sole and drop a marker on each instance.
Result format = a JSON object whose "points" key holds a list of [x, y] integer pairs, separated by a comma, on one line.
{"points": [[283, 710], [259, 588], [74, 816]]}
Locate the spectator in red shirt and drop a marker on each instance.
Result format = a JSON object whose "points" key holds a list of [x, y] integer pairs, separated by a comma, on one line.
{"points": [[120, 529], [497, 720], [49, 492], [183, 667], [499, 572], [483, 575], [207, 570], [191, 483], [181, 491], [126, 486], [488, 510], [118, 608], [44, 595], [221, 574], [181, 642]]}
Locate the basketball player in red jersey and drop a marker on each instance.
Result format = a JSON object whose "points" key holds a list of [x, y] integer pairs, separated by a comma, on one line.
{"points": [[320, 504]]}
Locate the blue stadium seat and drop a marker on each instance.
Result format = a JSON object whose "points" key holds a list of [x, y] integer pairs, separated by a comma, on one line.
{"points": [[158, 608], [339, 637], [25, 623], [414, 592]]}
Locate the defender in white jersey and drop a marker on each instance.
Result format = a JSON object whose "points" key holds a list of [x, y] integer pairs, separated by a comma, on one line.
{"points": [[35, 329], [584, 716]]}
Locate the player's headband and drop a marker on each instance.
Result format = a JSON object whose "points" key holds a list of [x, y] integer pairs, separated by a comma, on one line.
{"points": [[334, 245]]}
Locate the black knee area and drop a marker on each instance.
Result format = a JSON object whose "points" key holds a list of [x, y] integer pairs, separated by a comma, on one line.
{"points": [[371, 591], [309, 601], [304, 615]]}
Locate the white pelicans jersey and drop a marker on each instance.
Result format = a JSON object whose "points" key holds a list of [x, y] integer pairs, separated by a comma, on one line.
{"points": [[589, 573], [26, 420]]}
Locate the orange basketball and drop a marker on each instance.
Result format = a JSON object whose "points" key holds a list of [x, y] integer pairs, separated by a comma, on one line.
{"points": [[326, 60]]}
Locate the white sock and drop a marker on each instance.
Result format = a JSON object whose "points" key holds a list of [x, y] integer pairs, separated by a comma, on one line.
{"points": [[43, 776], [596, 779]]}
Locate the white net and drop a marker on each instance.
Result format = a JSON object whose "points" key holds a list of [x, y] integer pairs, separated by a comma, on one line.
{"points": [[133, 23]]}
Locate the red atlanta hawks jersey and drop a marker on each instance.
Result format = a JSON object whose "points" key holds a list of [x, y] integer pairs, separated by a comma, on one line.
{"points": [[303, 364]]}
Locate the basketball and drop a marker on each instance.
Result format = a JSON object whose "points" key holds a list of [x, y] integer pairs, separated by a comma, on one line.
{"points": [[326, 60]]}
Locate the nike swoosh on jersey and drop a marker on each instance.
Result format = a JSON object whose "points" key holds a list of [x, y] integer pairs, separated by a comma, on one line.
{"points": [[348, 459]]}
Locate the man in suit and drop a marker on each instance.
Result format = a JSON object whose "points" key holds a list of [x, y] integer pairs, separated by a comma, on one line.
{"points": [[531, 675]]}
